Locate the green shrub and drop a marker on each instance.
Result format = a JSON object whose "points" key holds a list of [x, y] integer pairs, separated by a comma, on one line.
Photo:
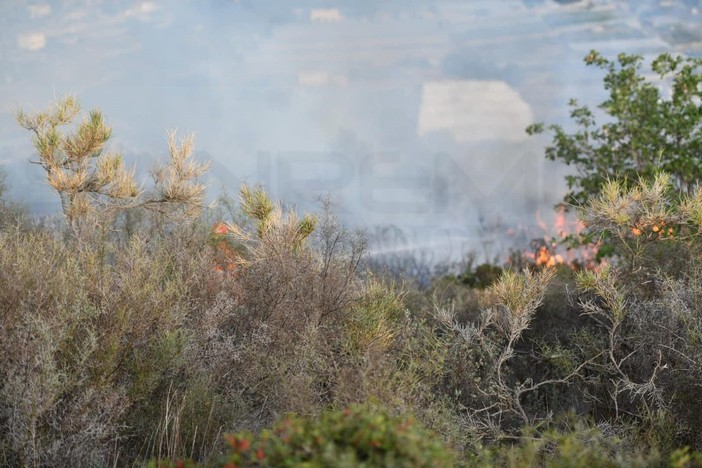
{"points": [[361, 435], [578, 447], [372, 322]]}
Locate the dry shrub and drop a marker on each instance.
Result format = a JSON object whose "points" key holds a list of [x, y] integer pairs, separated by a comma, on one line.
{"points": [[644, 310], [53, 412], [281, 345], [123, 347], [91, 339]]}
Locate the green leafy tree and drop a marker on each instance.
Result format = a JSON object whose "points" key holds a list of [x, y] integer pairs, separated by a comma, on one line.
{"points": [[647, 126]]}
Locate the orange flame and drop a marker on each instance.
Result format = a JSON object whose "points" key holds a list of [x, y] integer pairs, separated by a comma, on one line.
{"points": [[656, 231], [546, 249], [226, 256]]}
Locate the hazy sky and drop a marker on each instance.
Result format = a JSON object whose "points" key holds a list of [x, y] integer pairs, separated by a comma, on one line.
{"points": [[406, 112]]}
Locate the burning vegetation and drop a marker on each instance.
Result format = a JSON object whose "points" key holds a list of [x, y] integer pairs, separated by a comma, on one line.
{"points": [[122, 347], [553, 240]]}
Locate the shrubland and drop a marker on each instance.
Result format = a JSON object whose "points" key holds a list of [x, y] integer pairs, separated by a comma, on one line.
{"points": [[148, 330]]}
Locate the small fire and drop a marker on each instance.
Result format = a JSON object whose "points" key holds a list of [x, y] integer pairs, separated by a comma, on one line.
{"points": [[226, 256], [220, 228], [546, 247], [657, 231], [544, 255]]}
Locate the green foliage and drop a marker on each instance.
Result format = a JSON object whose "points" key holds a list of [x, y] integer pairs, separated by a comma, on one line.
{"points": [[361, 435], [257, 205], [373, 320], [643, 130], [272, 225]]}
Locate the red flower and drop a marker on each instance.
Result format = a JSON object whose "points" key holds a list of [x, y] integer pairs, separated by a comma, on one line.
{"points": [[260, 454]]}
